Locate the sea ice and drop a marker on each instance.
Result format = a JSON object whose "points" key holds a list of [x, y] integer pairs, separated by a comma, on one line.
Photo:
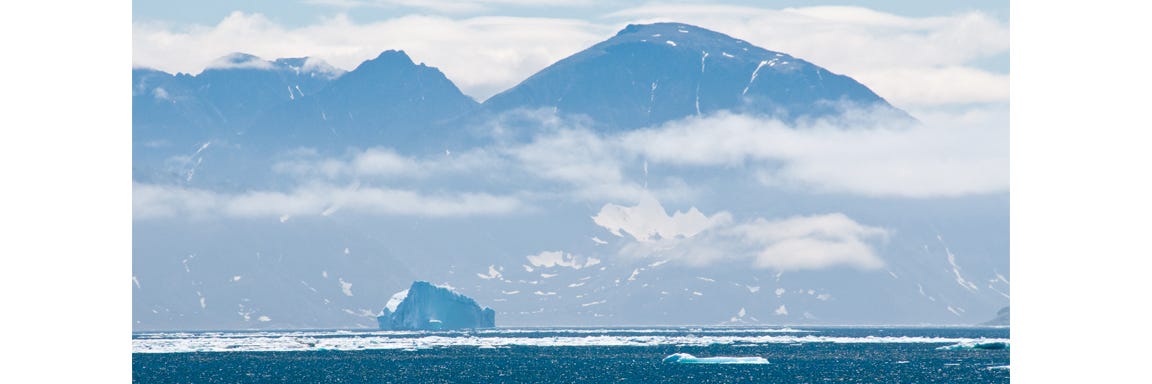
{"points": [[684, 358], [977, 344]]}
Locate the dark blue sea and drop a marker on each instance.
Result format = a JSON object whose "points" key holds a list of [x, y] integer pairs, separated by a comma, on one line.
{"points": [[576, 355]]}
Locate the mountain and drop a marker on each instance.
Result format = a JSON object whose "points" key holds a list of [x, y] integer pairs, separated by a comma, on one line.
{"points": [[231, 121], [643, 76], [276, 105], [220, 102], [653, 73], [1003, 317], [280, 194], [425, 306], [389, 101]]}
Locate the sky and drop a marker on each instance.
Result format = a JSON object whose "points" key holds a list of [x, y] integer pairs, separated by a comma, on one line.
{"points": [[304, 12], [1098, 192]]}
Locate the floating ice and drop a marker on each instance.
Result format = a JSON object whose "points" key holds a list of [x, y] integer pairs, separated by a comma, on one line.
{"points": [[342, 340], [684, 358], [977, 344], [426, 306]]}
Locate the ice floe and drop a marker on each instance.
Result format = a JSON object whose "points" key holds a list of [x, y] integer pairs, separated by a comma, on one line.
{"points": [[684, 358]]}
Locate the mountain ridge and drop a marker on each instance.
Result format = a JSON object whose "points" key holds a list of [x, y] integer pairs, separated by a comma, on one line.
{"points": [[644, 75]]}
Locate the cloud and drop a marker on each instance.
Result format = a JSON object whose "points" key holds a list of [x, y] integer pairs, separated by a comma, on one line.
{"points": [[375, 161], [930, 86], [240, 61], [159, 201], [579, 158], [385, 164], [317, 199], [811, 242], [694, 239], [948, 155], [484, 55]]}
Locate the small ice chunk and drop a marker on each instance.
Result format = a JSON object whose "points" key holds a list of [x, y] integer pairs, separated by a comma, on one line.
{"points": [[684, 358]]}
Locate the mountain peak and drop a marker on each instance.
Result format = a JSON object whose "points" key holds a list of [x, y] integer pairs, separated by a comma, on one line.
{"points": [[648, 74], [239, 60], [394, 55], [681, 36], [662, 27]]}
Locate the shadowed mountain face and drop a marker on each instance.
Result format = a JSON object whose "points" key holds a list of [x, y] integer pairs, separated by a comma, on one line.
{"points": [[270, 106], [221, 102], [645, 75], [388, 100], [650, 74]]}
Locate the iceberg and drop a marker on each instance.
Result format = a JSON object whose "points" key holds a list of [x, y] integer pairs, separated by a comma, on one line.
{"points": [[977, 344], [425, 306], [684, 358]]}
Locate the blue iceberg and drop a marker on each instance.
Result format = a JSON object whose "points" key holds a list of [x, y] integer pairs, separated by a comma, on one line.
{"points": [[684, 358], [425, 306]]}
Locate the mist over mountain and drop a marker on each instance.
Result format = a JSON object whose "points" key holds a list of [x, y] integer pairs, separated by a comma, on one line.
{"points": [[667, 175]]}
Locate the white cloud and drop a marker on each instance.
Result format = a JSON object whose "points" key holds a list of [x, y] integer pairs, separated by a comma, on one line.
{"points": [[811, 242], [155, 201], [238, 60], [385, 163], [948, 155], [927, 86], [589, 164], [572, 155], [795, 243]]}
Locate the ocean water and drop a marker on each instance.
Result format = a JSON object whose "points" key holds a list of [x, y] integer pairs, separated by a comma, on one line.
{"points": [[576, 355]]}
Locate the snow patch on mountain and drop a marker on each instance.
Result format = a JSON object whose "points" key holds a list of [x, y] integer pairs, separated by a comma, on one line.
{"points": [[549, 259], [647, 221], [493, 273]]}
